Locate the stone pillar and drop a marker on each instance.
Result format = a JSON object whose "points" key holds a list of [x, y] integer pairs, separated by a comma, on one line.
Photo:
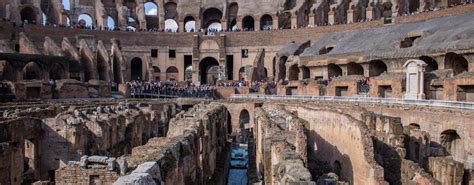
{"points": [[415, 79], [276, 24], [198, 25], [257, 25], [331, 17], [366, 67], [344, 70], [311, 20], [351, 16], [370, 13], [181, 26], [294, 22]]}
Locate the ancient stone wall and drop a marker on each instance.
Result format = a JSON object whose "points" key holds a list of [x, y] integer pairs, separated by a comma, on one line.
{"points": [[188, 154], [281, 147]]}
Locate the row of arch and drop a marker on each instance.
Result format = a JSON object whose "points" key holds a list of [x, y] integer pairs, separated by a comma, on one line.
{"points": [[453, 61], [33, 70]]}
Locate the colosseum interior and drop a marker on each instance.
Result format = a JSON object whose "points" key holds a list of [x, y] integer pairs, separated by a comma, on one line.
{"points": [[237, 92]]}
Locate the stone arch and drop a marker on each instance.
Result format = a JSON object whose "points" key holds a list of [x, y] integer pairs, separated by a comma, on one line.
{"points": [[85, 20], [136, 69], [57, 71], [111, 22], [211, 15], [189, 24], [28, 14], [306, 72], [172, 73], [9, 72], [204, 66], [32, 71], [232, 13], [248, 23], [413, 6], [377, 67], [151, 9], [337, 167], [282, 68], [334, 70], [453, 143], [455, 62], [354, 69], [266, 22], [103, 68], [244, 118], [293, 72], [284, 20], [132, 23], [431, 64], [171, 11], [171, 25]]}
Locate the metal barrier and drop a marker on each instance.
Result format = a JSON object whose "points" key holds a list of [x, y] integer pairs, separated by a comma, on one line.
{"points": [[432, 103]]}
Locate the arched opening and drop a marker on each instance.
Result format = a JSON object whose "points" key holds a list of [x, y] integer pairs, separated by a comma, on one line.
{"points": [[205, 71], [103, 68], [284, 20], [213, 75], [452, 142], [188, 73], [156, 73], [232, 16], [248, 23], [337, 168], [66, 4], [151, 9], [326, 50], [210, 16], [377, 67], [9, 72], [294, 72], [354, 69], [32, 71], [85, 20], [229, 123], [28, 15], [172, 73], [334, 70], [413, 6], [244, 120], [171, 25], [151, 15], [306, 72], [455, 62], [56, 72], [116, 67], [266, 22], [282, 68], [216, 26], [242, 74], [415, 125], [132, 24], [432, 64], [136, 69], [110, 22], [170, 11], [189, 24]]}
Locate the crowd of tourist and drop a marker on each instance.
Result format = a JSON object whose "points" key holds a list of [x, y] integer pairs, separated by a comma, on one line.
{"points": [[211, 31], [170, 88]]}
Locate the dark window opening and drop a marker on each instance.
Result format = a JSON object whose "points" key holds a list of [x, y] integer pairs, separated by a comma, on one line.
{"points": [[154, 53], [230, 67], [408, 42], [325, 50], [172, 53]]}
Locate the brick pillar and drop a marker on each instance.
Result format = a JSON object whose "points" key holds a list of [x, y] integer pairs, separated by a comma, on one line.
{"points": [[257, 25], [224, 24]]}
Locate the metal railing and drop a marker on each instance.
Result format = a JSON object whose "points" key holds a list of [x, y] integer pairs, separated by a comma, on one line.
{"points": [[432, 103]]}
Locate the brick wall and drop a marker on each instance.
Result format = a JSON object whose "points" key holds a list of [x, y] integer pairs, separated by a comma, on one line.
{"points": [[77, 175]]}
